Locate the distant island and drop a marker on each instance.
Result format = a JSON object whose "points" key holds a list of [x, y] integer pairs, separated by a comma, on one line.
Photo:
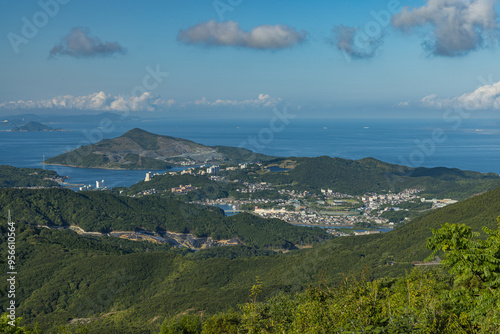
{"points": [[22, 119], [35, 127], [139, 149]]}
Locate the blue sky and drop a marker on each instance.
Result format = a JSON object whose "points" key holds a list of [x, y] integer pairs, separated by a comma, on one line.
{"points": [[250, 56]]}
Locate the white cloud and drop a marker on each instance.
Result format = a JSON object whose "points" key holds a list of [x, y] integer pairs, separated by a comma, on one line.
{"points": [[486, 97], [264, 37], [96, 101], [263, 100], [101, 101], [459, 26]]}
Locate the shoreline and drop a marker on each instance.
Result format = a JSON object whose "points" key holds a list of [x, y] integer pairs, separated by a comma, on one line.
{"points": [[107, 168]]}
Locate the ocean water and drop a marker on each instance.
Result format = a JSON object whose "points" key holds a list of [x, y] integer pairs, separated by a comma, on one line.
{"points": [[471, 144]]}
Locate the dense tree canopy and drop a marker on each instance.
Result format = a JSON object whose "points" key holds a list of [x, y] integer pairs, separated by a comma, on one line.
{"points": [[26, 177], [465, 300]]}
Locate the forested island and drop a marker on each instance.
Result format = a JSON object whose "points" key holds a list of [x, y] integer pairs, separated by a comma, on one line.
{"points": [[35, 127], [139, 149]]}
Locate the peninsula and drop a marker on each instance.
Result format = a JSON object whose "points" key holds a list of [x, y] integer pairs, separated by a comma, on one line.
{"points": [[139, 149]]}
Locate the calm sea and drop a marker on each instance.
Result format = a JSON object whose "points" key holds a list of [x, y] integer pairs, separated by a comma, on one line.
{"points": [[471, 145]]}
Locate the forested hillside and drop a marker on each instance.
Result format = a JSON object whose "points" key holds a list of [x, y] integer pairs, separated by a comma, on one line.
{"points": [[206, 187], [26, 177], [340, 175], [63, 277], [105, 212], [459, 295], [371, 175]]}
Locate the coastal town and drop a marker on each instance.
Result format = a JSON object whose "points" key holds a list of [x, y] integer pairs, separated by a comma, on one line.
{"points": [[327, 208], [304, 213]]}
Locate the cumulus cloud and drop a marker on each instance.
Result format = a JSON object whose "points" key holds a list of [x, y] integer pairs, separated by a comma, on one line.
{"points": [[459, 26], [355, 44], [79, 43], [96, 101], [263, 100], [148, 101], [264, 37], [486, 97]]}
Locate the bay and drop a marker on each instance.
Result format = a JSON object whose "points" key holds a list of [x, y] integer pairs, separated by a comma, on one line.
{"points": [[472, 144]]}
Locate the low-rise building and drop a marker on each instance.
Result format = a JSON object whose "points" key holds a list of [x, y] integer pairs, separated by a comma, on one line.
{"points": [[183, 189]]}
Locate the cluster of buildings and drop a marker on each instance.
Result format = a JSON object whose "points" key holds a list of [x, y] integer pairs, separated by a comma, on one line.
{"points": [[299, 211], [306, 217], [334, 194], [186, 162], [198, 171], [241, 166], [366, 232], [213, 169], [337, 233], [375, 201], [236, 204], [264, 212], [58, 179], [253, 187], [181, 190], [99, 185], [191, 171], [294, 194], [150, 175], [146, 192]]}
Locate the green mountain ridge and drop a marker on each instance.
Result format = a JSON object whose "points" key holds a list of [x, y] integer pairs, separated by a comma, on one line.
{"points": [[104, 212], [370, 175], [353, 177], [146, 287]]}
